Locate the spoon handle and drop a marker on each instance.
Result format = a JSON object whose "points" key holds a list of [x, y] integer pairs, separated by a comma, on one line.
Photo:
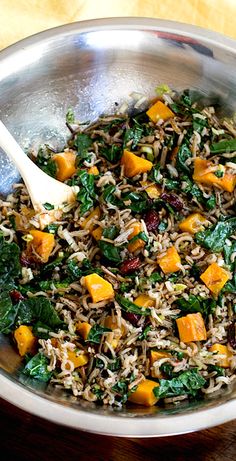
{"points": [[41, 187]]}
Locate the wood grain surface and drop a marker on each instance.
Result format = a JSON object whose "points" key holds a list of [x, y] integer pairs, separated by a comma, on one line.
{"points": [[24, 437]]}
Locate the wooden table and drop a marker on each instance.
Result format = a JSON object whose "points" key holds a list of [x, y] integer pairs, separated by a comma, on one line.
{"points": [[24, 437]]}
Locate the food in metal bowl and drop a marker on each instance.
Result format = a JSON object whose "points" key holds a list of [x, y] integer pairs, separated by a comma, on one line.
{"points": [[93, 67], [129, 295]]}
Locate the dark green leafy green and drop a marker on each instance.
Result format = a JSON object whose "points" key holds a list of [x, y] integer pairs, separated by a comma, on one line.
{"points": [[96, 333], [83, 142], [194, 303], [10, 267], [199, 123], [189, 382], [144, 333], [167, 370], [221, 147], [108, 250], [45, 162], [8, 313], [38, 309], [75, 271], [183, 155], [37, 368], [40, 330], [214, 237], [86, 195], [219, 370], [134, 134], [112, 153], [121, 388], [128, 306], [138, 201], [109, 197]]}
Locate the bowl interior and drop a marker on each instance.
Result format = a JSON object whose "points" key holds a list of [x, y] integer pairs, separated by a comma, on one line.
{"points": [[91, 67]]}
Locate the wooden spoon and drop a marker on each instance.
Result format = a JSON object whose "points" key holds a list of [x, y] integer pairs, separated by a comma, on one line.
{"points": [[41, 187]]}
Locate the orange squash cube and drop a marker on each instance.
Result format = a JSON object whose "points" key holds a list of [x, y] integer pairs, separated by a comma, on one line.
{"points": [[215, 277], [134, 165], [43, 243], [154, 357], [139, 243], [88, 223], [193, 223], [78, 360], [97, 233], [153, 191], [204, 174], [83, 329], [25, 340], [170, 261], [144, 394], [220, 349], [191, 328], [159, 111], [93, 170], [65, 162], [144, 301], [98, 288]]}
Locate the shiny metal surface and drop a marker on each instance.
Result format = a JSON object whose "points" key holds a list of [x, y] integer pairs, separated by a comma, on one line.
{"points": [[91, 66]]}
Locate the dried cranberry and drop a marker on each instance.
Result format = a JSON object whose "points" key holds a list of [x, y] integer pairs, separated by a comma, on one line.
{"points": [[152, 220], [130, 265], [24, 260], [132, 318], [173, 200], [232, 335], [16, 296]]}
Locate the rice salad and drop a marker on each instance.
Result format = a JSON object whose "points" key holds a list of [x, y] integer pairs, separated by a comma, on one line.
{"points": [[128, 294]]}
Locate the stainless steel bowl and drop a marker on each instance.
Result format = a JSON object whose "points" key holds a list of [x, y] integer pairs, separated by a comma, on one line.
{"points": [[90, 66]]}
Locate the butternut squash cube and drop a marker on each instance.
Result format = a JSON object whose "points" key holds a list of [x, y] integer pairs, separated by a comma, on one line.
{"points": [[220, 349], [43, 243], [215, 277], [170, 261], [98, 288], [134, 165], [93, 170], [154, 357], [139, 243], [191, 328], [159, 111], [144, 394], [88, 223], [65, 162], [97, 233], [112, 323], [144, 301], [193, 223], [25, 339], [153, 191], [83, 329], [204, 173], [78, 360]]}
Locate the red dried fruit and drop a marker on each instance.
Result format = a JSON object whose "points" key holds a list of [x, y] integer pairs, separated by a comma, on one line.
{"points": [[173, 200], [132, 318], [232, 335], [130, 265], [152, 220], [16, 296], [24, 260]]}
